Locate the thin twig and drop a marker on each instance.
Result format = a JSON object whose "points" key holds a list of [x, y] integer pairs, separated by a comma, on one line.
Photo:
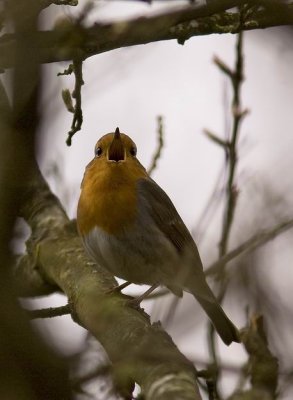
{"points": [[232, 157], [228, 367], [230, 149], [257, 240], [157, 154], [208, 375], [77, 115], [67, 71], [211, 389], [214, 138], [159, 293], [49, 312], [209, 210]]}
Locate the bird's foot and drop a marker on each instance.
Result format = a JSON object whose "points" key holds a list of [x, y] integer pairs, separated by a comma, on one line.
{"points": [[135, 302], [118, 288]]}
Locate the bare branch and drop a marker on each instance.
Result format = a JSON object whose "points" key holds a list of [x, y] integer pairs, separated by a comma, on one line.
{"points": [[180, 24], [223, 67], [26, 360], [47, 3], [132, 343], [216, 139], [49, 312], [157, 155], [257, 240], [230, 148], [77, 113], [263, 364], [236, 79]]}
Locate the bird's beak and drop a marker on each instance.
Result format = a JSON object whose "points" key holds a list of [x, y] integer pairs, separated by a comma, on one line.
{"points": [[116, 150]]}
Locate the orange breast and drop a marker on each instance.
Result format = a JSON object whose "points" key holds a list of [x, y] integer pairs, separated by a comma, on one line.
{"points": [[108, 198]]}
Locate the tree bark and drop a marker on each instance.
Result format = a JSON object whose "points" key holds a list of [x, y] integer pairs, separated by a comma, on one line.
{"points": [[69, 41]]}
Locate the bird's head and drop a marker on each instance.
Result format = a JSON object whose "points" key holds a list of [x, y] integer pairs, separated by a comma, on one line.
{"points": [[115, 148], [115, 158]]}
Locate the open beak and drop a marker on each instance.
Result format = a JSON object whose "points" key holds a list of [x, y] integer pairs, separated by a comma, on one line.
{"points": [[116, 150]]}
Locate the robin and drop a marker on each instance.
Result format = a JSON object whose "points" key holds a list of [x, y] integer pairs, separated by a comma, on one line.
{"points": [[130, 227]]}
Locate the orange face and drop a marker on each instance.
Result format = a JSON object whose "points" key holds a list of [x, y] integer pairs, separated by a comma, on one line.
{"points": [[115, 147], [109, 198]]}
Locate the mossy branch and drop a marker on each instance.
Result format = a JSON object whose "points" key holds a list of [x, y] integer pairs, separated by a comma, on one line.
{"points": [[138, 350], [180, 24]]}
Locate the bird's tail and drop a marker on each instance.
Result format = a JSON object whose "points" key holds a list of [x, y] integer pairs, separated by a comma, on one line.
{"points": [[225, 328]]}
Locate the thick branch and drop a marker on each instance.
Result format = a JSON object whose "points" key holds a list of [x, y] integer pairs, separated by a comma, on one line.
{"points": [[181, 24], [29, 368], [138, 350], [27, 278]]}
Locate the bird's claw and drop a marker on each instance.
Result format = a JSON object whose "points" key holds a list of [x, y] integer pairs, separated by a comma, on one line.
{"points": [[118, 288]]}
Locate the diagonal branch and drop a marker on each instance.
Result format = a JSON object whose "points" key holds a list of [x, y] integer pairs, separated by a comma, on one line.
{"points": [[138, 350], [50, 312], [251, 244]]}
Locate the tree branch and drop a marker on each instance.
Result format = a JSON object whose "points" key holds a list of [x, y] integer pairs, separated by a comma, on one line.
{"points": [[160, 145], [263, 365], [30, 369], [257, 240], [47, 3], [138, 350], [231, 150], [181, 24], [50, 312], [77, 111]]}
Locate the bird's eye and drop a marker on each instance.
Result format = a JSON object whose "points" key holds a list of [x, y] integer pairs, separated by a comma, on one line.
{"points": [[98, 151], [133, 151]]}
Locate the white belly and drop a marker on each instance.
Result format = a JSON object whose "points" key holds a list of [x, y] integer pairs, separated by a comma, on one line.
{"points": [[142, 255]]}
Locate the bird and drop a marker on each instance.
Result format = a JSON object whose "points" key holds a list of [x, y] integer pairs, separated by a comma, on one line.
{"points": [[130, 227]]}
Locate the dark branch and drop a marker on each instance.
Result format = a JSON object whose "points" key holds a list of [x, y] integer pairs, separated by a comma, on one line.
{"points": [[181, 24], [29, 367], [49, 312], [77, 111], [47, 3], [263, 365], [236, 78], [158, 151], [230, 148], [257, 240]]}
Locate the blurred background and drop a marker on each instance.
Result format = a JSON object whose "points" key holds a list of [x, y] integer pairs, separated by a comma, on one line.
{"points": [[130, 88]]}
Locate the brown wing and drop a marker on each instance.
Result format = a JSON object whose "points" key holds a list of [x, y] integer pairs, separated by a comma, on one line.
{"points": [[169, 222], [167, 219]]}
